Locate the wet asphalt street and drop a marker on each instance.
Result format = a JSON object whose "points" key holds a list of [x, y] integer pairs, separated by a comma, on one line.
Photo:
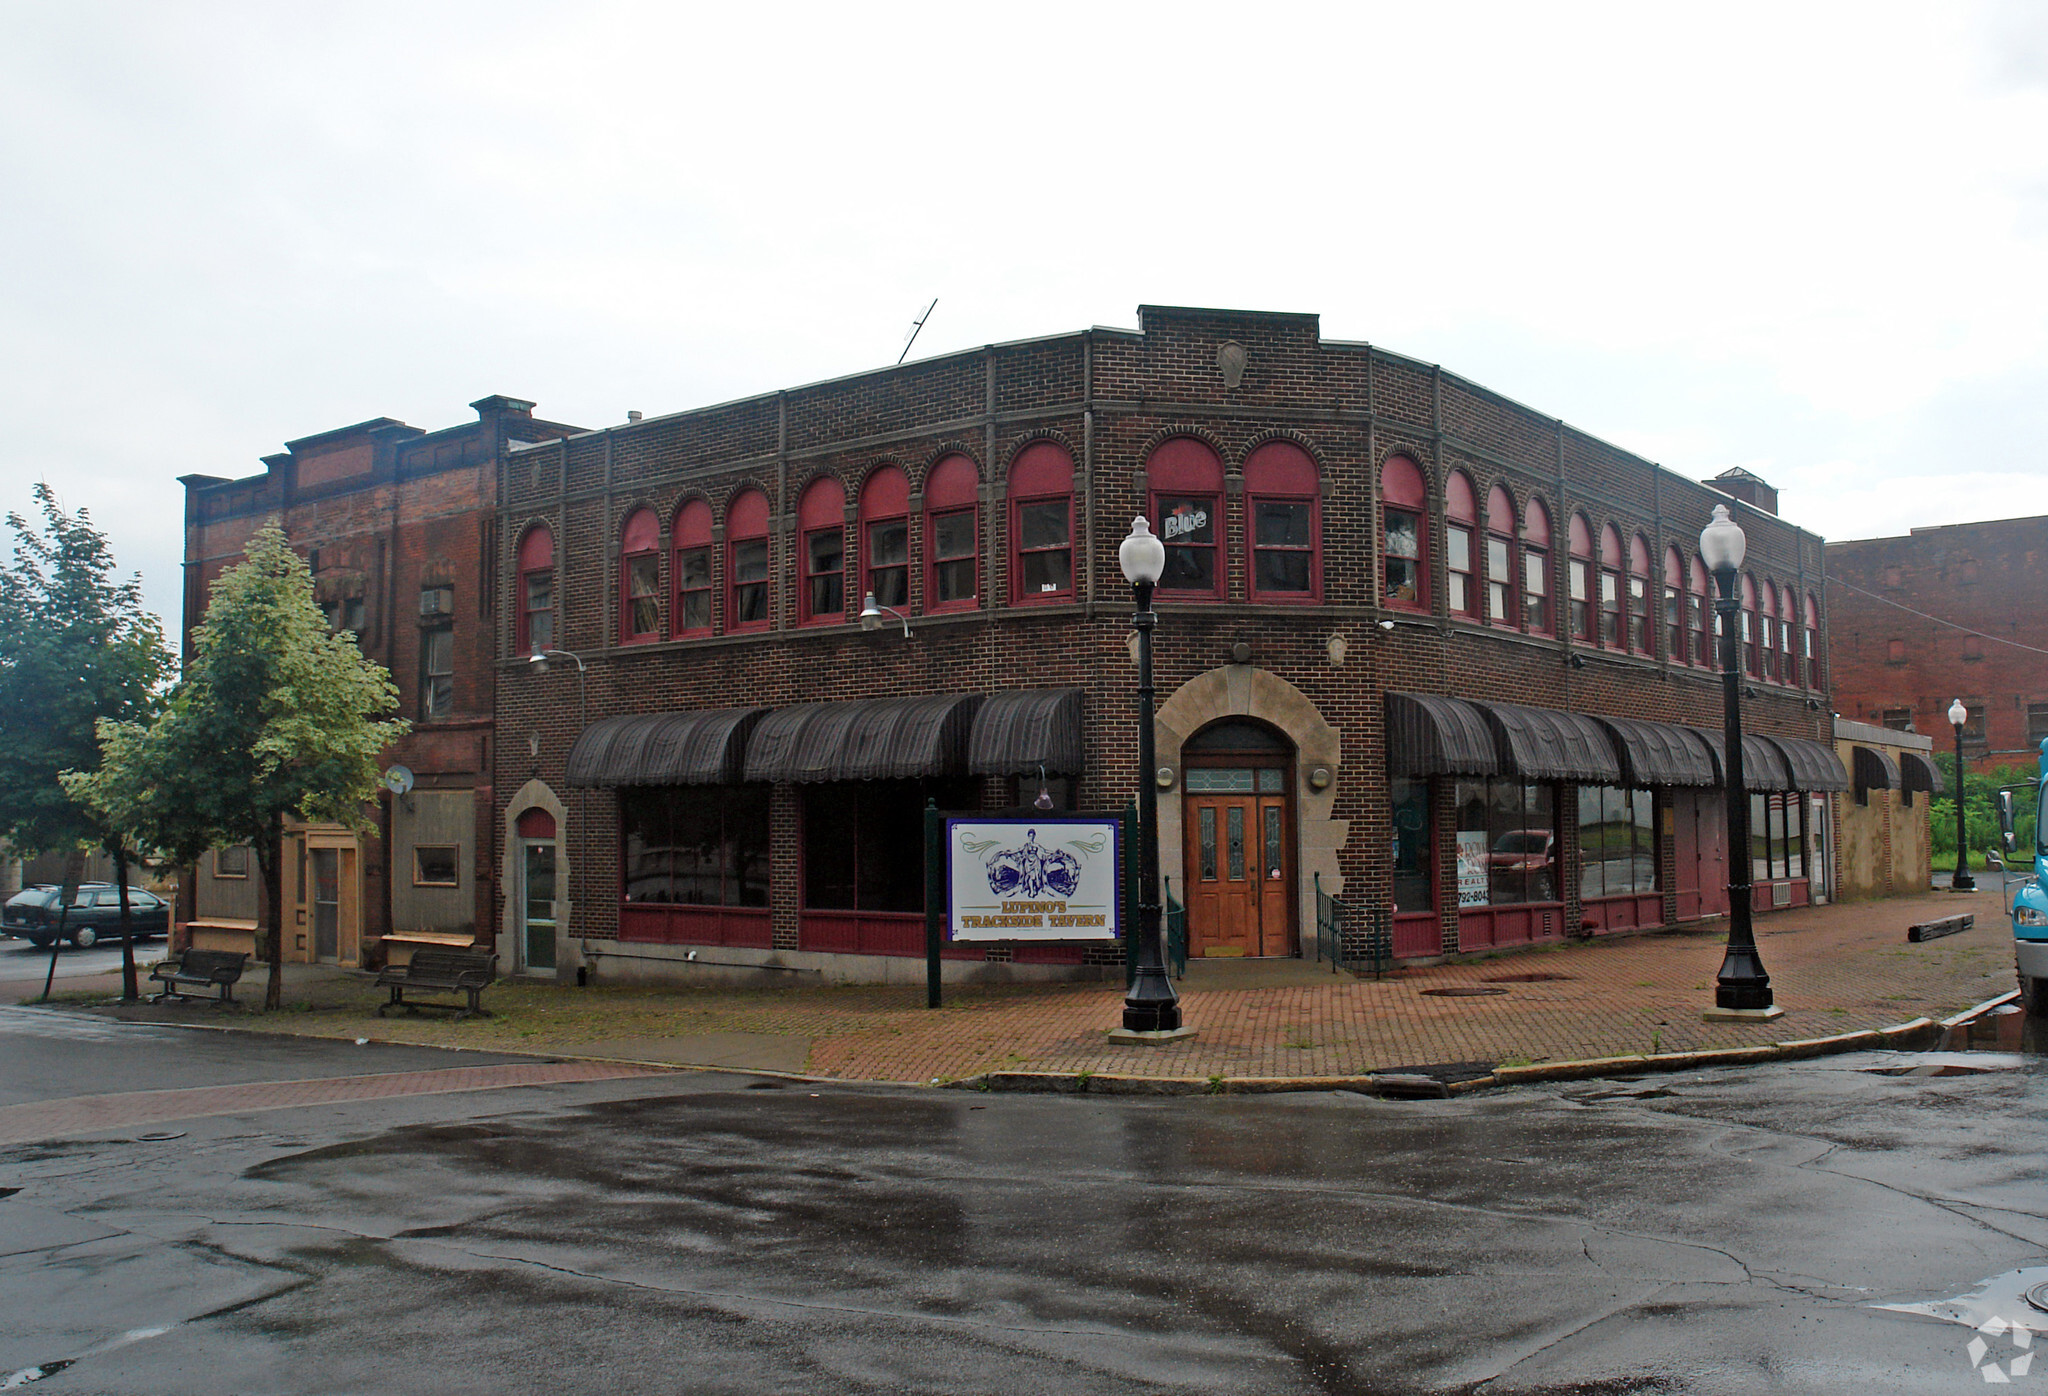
{"points": [[1719, 1232]]}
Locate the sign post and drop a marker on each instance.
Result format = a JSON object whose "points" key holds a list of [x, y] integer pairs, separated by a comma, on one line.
{"points": [[934, 900]]}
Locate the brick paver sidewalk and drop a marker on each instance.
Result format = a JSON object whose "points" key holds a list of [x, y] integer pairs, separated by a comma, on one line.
{"points": [[1834, 969]]}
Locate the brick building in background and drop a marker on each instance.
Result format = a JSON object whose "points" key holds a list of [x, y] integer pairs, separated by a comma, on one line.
{"points": [[1419, 646], [1919, 621], [398, 525]]}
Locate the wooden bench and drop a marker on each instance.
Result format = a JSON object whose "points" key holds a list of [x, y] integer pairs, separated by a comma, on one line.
{"points": [[217, 969], [433, 970], [1946, 926]]}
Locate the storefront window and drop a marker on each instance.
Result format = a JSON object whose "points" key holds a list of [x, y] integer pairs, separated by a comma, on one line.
{"points": [[1777, 836], [1617, 842], [864, 841], [1414, 889], [695, 845], [1507, 843]]}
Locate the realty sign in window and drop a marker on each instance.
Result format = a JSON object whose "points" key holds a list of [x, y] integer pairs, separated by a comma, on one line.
{"points": [[1037, 877]]}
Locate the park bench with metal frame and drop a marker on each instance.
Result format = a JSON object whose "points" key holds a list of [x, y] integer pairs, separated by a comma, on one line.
{"points": [[433, 970], [217, 969]]}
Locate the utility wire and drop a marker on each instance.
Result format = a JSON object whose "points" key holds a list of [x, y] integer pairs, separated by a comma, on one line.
{"points": [[1953, 625]]}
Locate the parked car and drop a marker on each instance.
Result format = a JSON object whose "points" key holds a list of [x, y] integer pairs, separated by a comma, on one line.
{"points": [[95, 914], [1526, 853]]}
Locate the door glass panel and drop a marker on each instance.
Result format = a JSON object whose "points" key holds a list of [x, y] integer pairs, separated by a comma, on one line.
{"points": [[1223, 782], [326, 903], [1273, 871], [1272, 782], [1208, 814], [540, 906], [1234, 817]]}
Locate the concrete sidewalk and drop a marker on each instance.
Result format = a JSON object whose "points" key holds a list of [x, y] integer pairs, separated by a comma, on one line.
{"points": [[1835, 970]]}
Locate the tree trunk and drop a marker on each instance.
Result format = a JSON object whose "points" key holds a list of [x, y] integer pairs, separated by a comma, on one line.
{"points": [[74, 873], [269, 852], [118, 847]]}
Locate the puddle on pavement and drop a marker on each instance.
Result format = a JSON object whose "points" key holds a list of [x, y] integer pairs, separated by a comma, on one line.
{"points": [[2016, 1298], [2006, 1028]]}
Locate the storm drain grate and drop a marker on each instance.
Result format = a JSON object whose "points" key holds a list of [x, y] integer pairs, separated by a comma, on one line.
{"points": [[1463, 991]]}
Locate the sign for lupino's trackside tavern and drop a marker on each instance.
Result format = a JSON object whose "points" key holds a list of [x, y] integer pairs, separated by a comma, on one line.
{"points": [[1037, 877]]}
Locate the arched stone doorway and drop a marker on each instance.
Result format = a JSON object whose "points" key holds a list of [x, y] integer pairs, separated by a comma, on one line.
{"points": [[1237, 812], [1246, 691], [538, 908]]}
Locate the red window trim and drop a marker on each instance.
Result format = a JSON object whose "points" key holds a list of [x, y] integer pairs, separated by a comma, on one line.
{"points": [[628, 635], [1421, 602], [867, 562], [1549, 626], [691, 533], [1513, 619], [1473, 608], [753, 502], [805, 616], [1220, 569], [932, 605], [1314, 595], [1018, 596], [538, 539]]}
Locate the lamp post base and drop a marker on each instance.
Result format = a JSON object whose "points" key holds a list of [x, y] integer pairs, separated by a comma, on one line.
{"points": [[1151, 1038], [1962, 882], [1741, 1015]]}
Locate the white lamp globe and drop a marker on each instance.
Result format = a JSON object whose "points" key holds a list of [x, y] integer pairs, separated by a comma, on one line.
{"points": [[1142, 555], [1722, 544], [1957, 713]]}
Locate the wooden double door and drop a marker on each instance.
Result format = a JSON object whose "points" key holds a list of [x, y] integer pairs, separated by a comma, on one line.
{"points": [[1239, 861]]}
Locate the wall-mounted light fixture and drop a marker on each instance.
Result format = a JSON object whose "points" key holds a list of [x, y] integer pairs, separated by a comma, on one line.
{"points": [[871, 615]]}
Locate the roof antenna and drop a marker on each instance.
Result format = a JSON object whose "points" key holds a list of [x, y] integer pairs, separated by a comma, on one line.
{"points": [[915, 327]]}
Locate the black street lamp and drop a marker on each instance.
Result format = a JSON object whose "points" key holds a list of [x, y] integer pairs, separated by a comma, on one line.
{"points": [[1963, 882], [1742, 988], [1151, 1008]]}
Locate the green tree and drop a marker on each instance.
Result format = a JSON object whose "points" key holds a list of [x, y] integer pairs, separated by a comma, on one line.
{"points": [[76, 648], [276, 718], [1980, 815]]}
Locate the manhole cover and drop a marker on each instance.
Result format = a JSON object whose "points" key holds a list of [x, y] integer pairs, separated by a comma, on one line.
{"points": [[2038, 1296], [1538, 978], [1463, 991]]}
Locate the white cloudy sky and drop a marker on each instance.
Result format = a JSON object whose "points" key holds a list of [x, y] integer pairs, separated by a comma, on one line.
{"points": [[1807, 239]]}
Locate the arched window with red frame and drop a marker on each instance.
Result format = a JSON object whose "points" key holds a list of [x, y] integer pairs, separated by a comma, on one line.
{"points": [[1283, 504], [746, 562], [691, 543], [1041, 525], [1788, 635], [952, 548], [1641, 638], [1536, 614], [1697, 609], [536, 590], [1186, 480], [1582, 574], [1404, 527], [1610, 587], [1750, 635], [885, 537], [1461, 527], [821, 550], [1674, 606], [1813, 675], [1500, 556], [640, 578], [1767, 631]]}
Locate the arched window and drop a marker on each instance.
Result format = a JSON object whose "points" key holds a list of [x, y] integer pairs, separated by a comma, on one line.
{"points": [[1767, 632], [1461, 521], [1536, 617], [692, 544], [1281, 498], [1610, 587], [1500, 557], [1404, 512], [1750, 636], [746, 561], [1696, 611], [1187, 499], [536, 590], [885, 537], [821, 526], [1581, 543], [952, 496], [1042, 524], [1813, 676], [1788, 634], [640, 578], [1641, 639], [1674, 606]]}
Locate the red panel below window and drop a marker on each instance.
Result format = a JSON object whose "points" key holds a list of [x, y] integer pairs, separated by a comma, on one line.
{"points": [[871, 933], [746, 927], [1480, 928], [1419, 934], [1623, 913]]}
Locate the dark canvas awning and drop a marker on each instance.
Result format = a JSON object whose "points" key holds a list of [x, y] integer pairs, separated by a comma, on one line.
{"points": [[1660, 753], [868, 739], [1916, 772], [1875, 770], [1814, 765], [1545, 744], [1432, 736], [1016, 733], [1763, 765], [688, 748]]}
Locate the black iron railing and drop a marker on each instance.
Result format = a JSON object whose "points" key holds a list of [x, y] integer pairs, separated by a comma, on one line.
{"points": [[1354, 938]]}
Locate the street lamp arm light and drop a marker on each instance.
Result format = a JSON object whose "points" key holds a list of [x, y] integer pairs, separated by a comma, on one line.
{"points": [[539, 659], [871, 615]]}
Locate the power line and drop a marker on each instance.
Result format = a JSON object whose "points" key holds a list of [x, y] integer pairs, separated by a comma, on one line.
{"points": [[1953, 625]]}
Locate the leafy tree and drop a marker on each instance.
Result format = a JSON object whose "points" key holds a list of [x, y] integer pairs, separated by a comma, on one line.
{"points": [[1980, 816], [276, 718], [76, 648]]}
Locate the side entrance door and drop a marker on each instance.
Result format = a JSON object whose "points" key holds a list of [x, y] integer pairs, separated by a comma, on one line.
{"points": [[1239, 861], [537, 905], [326, 904]]}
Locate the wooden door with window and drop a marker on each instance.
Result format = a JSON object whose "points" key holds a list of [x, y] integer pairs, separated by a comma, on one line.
{"points": [[1239, 862]]}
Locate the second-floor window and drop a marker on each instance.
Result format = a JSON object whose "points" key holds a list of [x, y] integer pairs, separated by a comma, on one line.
{"points": [[1536, 568], [1610, 588], [885, 537], [1187, 506], [1461, 512], [437, 651], [1281, 488], [640, 578], [1042, 524], [821, 519], [1500, 557], [746, 561], [952, 493], [536, 596], [692, 543]]}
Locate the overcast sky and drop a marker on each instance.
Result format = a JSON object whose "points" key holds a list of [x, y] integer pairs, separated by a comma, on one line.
{"points": [[1804, 239]]}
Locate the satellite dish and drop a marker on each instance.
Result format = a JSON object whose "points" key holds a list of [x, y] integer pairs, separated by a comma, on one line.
{"points": [[398, 780]]}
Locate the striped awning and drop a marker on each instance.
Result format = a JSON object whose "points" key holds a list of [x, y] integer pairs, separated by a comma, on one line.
{"points": [[1429, 735], [867, 739], [1814, 765], [1763, 765], [1018, 732], [1916, 772], [1660, 753], [686, 748], [1875, 770], [1545, 744]]}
